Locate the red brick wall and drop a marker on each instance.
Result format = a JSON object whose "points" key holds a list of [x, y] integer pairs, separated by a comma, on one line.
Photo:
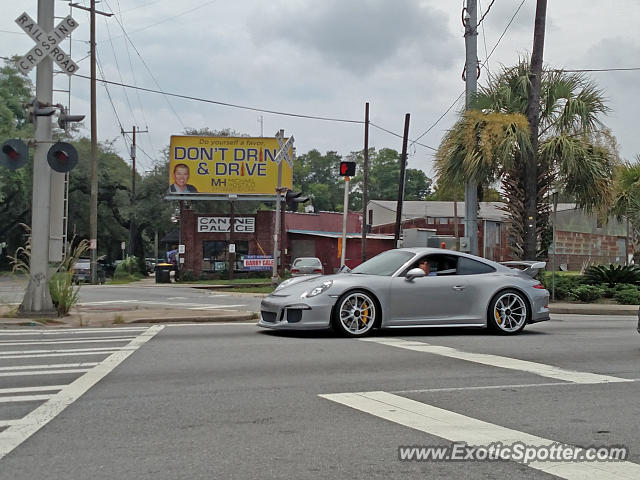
{"points": [[578, 249]]}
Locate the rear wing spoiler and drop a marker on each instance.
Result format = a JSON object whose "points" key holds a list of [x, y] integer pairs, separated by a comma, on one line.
{"points": [[530, 267]]}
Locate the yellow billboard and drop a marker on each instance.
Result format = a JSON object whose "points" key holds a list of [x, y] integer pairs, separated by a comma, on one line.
{"points": [[226, 165]]}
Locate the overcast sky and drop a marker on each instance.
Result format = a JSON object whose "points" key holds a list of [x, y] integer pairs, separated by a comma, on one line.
{"points": [[324, 58]]}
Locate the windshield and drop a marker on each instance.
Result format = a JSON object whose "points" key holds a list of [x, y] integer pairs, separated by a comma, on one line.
{"points": [[385, 264], [306, 262]]}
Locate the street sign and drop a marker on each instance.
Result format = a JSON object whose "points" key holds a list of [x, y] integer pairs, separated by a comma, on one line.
{"points": [[46, 44], [283, 153]]}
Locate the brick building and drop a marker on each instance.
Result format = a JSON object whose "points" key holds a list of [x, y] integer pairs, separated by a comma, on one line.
{"points": [[206, 239]]}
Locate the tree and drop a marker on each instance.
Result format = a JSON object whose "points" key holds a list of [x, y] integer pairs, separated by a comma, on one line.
{"points": [[15, 186], [491, 141]]}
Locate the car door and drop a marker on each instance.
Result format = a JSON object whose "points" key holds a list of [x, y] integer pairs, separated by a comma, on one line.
{"points": [[441, 298]]}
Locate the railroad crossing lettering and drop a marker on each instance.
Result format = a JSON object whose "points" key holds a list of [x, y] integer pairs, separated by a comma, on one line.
{"points": [[47, 44]]}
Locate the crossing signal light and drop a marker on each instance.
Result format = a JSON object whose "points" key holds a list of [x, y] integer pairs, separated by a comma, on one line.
{"points": [[13, 154], [294, 198], [64, 119], [62, 157], [347, 169], [35, 109]]}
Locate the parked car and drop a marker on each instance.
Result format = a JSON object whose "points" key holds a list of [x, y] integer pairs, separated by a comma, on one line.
{"points": [[390, 291], [306, 266], [82, 272], [639, 320]]}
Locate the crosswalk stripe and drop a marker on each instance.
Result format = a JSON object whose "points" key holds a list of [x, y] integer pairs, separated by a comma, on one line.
{"points": [[44, 372], [70, 331], [25, 398], [60, 342], [43, 388], [510, 363], [44, 367], [64, 350], [216, 307], [460, 428], [65, 354]]}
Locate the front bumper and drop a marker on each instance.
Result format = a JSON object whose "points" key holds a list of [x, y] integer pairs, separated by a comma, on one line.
{"points": [[285, 314]]}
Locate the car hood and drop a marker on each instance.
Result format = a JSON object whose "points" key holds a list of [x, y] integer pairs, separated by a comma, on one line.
{"points": [[341, 281]]}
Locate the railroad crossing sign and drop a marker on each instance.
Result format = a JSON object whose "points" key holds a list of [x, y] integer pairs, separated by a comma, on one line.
{"points": [[47, 44], [285, 147]]}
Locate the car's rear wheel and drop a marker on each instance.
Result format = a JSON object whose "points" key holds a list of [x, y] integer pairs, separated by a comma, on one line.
{"points": [[355, 313], [508, 312]]}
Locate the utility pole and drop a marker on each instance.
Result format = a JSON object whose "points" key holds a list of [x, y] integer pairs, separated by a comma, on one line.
{"points": [[533, 110], [365, 182], [470, 19], [132, 219], [403, 169], [37, 297], [276, 229], [93, 207]]}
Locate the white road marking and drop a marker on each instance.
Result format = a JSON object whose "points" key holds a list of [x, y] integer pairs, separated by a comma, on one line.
{"points": [[45, 388], [44, 372], [460, 428], [108, 302], [25, 398], [216, 307], [60, 342], [510, 363], [109, 330], [42, 367], [177, 298], [22, 429], [216, 324], [49, 355], [496, 387], [8, 423], [66, 350]]}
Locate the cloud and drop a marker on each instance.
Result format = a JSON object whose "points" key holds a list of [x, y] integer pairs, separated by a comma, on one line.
{"points": [[356, 36]]}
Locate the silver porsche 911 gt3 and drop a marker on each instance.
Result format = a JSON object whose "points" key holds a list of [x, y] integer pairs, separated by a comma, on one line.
{"points": [[391, 291]]}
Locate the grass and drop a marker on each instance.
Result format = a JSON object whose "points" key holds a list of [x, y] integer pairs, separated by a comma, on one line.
{"points": [[231, 282], [265, 289]]}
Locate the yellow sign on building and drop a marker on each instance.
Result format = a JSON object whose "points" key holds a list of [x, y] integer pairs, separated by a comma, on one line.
{"points": [[226, 165]]}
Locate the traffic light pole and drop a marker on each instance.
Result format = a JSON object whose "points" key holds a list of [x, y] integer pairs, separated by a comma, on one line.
{"points": [[345, 214], [37, 298], [276, 229]]}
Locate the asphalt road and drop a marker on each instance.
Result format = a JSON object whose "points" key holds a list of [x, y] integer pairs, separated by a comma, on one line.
{"points": [[144, 295], [234, 401]]}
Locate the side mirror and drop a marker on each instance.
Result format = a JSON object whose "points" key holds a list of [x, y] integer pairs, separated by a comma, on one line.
{"points": [[415, 273]]}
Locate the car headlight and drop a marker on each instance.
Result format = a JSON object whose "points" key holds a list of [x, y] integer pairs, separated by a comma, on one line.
{"points": [[317, 290], [284, 284]]}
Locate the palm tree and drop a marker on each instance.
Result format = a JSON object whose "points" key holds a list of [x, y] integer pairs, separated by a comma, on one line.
{"points": [[491, 142], [625, 204]]}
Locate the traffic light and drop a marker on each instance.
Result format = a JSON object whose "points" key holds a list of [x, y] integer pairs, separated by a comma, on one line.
{"points": [[13, 154], [294, 198], [64, 119], [347, 169], [35, 109], [62, 157]]}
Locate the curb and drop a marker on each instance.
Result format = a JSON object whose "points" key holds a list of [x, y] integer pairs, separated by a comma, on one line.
{"points": [[218, 319]]}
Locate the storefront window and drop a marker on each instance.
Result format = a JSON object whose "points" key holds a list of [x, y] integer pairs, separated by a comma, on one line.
{"points": [[214, 255]]}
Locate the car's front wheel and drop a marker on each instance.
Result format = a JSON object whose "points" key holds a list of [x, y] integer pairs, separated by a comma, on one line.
{"points": [[508, 312], [355, 313]]}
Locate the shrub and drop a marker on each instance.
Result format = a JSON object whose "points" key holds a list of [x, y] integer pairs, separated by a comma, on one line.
{"points": [[563, 284], [63, 294], [128, 269], [612, 274], [586, 293], [187, 276], [629, 296]]}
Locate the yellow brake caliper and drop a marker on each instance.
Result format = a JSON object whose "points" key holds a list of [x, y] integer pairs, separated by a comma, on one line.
{"points": [[365, 313], [497, 316]]}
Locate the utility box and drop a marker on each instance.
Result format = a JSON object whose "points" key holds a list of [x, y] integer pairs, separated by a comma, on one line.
{"points": [[436, 241], [417, 237]]}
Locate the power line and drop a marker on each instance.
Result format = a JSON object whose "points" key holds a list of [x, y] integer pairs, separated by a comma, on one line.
{"points": [[485, 13], [401, 136], [225, 104], [147, 67], [503, 32], [578, 70]]}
